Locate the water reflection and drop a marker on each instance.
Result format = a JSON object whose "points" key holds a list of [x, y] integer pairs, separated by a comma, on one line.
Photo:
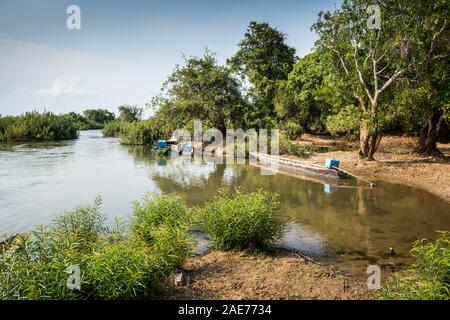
{"points": [[330, 220], [344, 221]]}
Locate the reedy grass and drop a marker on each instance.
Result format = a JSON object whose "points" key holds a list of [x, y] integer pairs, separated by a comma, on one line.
{"points": [[36, 126], [114, 264], [428, 278], [242, 220]]}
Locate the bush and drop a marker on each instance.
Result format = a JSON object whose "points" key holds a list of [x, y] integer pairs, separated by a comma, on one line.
{"points": [[163, 224], [112, 129], [35, 267], [242, 220], [347, 121], [36, 126], [428, 278], [113, 264], [123, 270], [161, 211], [138, 133], [291, 129], [82, 226]]}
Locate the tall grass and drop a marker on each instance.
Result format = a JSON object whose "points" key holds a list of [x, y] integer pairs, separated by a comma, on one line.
{"points": [[114, 264], [130, 261], [163, 225], [37, 126], [242, 220], [428, 278]]}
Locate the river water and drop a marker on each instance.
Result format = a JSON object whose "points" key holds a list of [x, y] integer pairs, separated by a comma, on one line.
{"points": [[347, 225]]}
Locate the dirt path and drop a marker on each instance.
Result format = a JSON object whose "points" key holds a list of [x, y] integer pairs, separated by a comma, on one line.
{"points": [[394, 162], [241, 275]]}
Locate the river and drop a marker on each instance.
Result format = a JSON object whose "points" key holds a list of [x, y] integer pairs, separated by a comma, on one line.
{"points": [[346, 225]]}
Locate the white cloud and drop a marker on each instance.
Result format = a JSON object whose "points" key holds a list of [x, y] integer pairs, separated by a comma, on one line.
{"points": [[63, 86]]}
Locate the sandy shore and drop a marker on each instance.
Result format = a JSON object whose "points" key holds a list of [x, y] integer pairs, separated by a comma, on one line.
{"points": [[394, 163], [246, 275]]}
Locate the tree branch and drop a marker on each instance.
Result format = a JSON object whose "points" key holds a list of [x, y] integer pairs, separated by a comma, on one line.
{"points": [[360, 76], [341, 60]]}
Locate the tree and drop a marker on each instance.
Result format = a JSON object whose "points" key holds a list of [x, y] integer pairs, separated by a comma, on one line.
{"points": [[304, 97], [129, 113], [201, 90], [264, 58], [99, 116], [373, 58], [425, 103]]}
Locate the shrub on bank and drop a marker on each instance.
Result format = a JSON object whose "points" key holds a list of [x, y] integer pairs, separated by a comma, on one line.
{"points": [[112, 265], [242, 220], [137, 133], [291, 129], [36, 126], [162, 223], [123, 270], [112, 129], [133, 133], [428, 278]]}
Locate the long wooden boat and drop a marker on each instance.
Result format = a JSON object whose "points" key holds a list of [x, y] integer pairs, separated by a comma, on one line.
{"points": [[293, 164]]}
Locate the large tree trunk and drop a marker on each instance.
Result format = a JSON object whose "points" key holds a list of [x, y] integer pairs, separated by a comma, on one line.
{"points": [[369, 141], [428, 137], [443, 134]]}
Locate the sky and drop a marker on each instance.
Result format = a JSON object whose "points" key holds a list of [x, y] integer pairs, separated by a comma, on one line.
{"points": [[125, 50]]}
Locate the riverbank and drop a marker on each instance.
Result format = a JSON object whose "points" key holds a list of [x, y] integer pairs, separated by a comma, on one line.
{"points": [[394, 163], [263, 275]]}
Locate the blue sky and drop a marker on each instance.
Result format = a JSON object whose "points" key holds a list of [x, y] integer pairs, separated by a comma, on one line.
{"points": [[125, 49]]}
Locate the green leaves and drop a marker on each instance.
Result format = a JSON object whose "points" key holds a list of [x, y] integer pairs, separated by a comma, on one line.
{"points": [[200, 90], [242, 220], [428, 278], [37, 126], [113, 264]]}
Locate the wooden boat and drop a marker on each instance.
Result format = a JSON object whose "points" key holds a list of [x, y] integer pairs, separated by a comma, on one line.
{"points": [[293, 164]]}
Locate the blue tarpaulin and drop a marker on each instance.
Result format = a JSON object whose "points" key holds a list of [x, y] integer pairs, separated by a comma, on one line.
{"points": [[162, 144]]}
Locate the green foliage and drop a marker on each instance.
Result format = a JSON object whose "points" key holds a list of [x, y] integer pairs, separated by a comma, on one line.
{"points": [[79, 121], [113, 264], [200, 90], [97, 118], [302, 97], [123, 270], [143, 132], [113, 128], [129, 113], [373, 63], [291, 129], [161, 211], [83, 226], [264, 58], [241, 220], [35, 266], [289, 148], [37, 126], [162, 223], [428, 278], [347, 120]]}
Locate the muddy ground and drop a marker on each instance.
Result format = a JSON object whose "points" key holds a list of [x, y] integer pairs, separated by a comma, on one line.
{"points": [[394, 162], [283, 275], [263, 275]]}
